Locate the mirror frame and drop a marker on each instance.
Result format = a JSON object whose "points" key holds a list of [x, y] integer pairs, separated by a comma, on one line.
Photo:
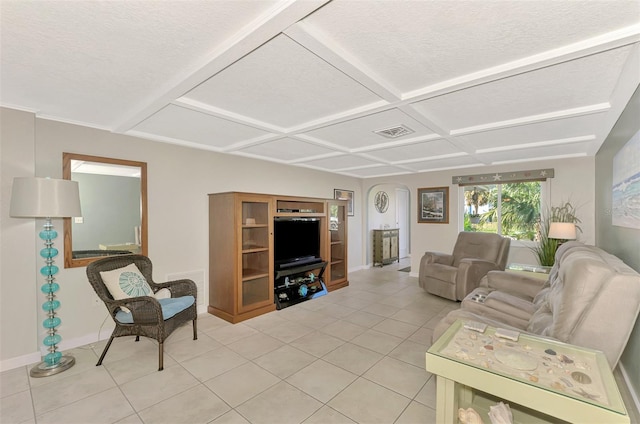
{"points": [[69, 261]]}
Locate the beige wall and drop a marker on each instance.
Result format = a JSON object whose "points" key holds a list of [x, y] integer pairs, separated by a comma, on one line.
{"points": [[18, 289], [179, 180], [621, 241]]}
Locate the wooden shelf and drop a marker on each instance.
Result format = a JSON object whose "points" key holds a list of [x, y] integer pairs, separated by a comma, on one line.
{"points": [[255, 250], [253, 274]]}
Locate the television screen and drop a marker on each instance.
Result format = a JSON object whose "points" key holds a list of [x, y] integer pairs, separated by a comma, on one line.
{"points": [[296, 241]]}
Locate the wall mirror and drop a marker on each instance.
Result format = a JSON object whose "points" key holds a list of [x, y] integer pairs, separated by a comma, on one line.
{"points": [[113, 196]]}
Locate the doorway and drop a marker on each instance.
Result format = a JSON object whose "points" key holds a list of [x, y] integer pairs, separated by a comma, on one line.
{"points": [[402, 221], [395, 215]]}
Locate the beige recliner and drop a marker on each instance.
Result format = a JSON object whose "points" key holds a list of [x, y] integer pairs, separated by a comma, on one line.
{"points": [[455, 275]]}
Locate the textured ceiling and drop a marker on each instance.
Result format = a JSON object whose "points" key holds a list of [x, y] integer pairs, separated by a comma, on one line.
{"points": [[308, 82]]}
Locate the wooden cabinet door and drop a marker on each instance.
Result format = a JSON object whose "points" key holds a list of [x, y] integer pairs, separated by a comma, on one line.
{"points": [[255, 227], [337, 244]]}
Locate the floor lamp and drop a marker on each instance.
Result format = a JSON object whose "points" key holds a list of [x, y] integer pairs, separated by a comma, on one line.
{"points": [[47, 198]]}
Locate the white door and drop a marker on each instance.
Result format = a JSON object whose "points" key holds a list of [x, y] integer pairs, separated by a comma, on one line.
{"points": [[402, 221]]}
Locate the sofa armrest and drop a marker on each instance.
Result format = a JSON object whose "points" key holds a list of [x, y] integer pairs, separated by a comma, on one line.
{"points": [[470, 272], [515, 284], [437, 258]]}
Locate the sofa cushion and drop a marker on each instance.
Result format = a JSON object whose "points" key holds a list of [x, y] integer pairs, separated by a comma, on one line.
{"points": [[443, 273], [477, 245], [170, 308]]}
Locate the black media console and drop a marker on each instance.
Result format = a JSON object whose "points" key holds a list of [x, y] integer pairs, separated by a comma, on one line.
{"points": [[297, 284]]}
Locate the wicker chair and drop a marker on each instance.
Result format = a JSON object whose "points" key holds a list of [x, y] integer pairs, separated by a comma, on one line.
{"points": [[145, 310]]}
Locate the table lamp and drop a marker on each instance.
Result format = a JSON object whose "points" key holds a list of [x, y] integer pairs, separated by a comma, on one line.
{"points": [[33, 197], [562, 230]]}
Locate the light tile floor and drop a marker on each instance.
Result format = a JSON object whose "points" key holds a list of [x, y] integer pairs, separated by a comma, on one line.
{"points": [[354, 355]]}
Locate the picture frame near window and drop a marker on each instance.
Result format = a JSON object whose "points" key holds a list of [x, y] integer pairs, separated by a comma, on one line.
{"points": [[433, 205], [347, 195]]}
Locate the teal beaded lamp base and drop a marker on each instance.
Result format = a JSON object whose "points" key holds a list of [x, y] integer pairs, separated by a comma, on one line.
{"points": [[44, 369], [53, 362]]}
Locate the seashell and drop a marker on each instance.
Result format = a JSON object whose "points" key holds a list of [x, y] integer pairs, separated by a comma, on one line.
{"points": [[485, 364], [500, 414], [581, 366], [534, 378], [462, 354], [469, 416], [488, 347], [565, 359], [527, 347], [550, 352], [473, 336], [566, 381], [558, 385]]}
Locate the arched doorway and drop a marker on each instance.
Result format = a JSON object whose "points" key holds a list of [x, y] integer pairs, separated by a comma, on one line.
{"points": [[388, 206]]}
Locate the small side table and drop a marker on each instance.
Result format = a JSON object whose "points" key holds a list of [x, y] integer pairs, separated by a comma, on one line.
{"points": [[541, 380]]}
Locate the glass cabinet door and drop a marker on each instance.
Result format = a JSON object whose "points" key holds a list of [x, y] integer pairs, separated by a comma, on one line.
{"points": [[337, 243], [256, 288]]}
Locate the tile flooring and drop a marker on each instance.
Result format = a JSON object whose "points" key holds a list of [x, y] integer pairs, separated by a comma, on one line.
{"points": [[354, 355]]}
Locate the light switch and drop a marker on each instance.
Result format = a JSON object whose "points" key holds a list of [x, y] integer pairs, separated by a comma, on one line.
{"points": [[78, 220]]}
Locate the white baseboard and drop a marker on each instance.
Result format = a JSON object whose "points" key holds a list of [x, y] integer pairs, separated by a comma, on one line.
{"points": [[19, 361], [32, 358]]}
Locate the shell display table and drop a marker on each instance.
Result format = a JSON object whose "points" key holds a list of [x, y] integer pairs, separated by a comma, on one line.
{"points": [[542, 380]]}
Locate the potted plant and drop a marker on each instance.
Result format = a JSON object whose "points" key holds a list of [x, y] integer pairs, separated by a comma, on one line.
{"points": [[545, 249]]}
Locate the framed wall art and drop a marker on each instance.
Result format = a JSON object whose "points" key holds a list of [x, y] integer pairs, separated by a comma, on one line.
{"points": [[347, 195], [433, 205]]}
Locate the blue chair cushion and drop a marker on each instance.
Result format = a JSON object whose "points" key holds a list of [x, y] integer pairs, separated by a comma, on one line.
{"points": [[170, 307]]}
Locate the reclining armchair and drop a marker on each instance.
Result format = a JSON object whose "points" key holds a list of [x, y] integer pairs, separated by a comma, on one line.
{"points": [[138, 305], [455, 275]]}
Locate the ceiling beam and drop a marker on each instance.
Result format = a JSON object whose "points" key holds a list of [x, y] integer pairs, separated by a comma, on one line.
{"points": [[249, 38]]}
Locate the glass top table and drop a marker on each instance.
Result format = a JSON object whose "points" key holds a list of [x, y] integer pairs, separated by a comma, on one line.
{"points": [[564, 381]]}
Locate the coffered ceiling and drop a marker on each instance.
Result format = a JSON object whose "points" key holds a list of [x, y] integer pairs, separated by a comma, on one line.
{"points": [[308, 82]]}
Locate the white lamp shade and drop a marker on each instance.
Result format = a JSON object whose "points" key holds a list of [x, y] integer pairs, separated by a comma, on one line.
{"points": [[562, 230], [44, 198]]}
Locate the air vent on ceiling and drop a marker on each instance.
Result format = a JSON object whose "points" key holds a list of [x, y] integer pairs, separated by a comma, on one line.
{"points": [[394, 132]]}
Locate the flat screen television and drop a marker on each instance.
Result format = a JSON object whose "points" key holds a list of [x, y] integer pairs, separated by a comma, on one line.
{"points": [[296, 242]]}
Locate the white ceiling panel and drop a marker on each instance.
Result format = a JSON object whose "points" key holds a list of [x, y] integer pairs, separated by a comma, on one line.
{"points": [[284, 84], [179, 123], [307, 82], [425, 149], [422, 43], [559, 129], [89, 61], [359, 132], [286, 149], [584, 82]]}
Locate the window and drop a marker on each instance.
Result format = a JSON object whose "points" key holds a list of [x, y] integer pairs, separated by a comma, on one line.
{"points": [[509, 209]]}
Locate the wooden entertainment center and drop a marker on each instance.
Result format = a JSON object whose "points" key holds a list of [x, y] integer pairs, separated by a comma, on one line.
{"points": [[242, 273]]}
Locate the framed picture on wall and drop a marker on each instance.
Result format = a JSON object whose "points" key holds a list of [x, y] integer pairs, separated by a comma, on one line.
{"points": [[345, 195], [433, 205]]}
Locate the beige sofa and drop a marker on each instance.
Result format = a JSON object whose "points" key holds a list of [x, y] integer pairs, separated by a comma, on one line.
{"points": [[591, 299], [455, 275]]}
